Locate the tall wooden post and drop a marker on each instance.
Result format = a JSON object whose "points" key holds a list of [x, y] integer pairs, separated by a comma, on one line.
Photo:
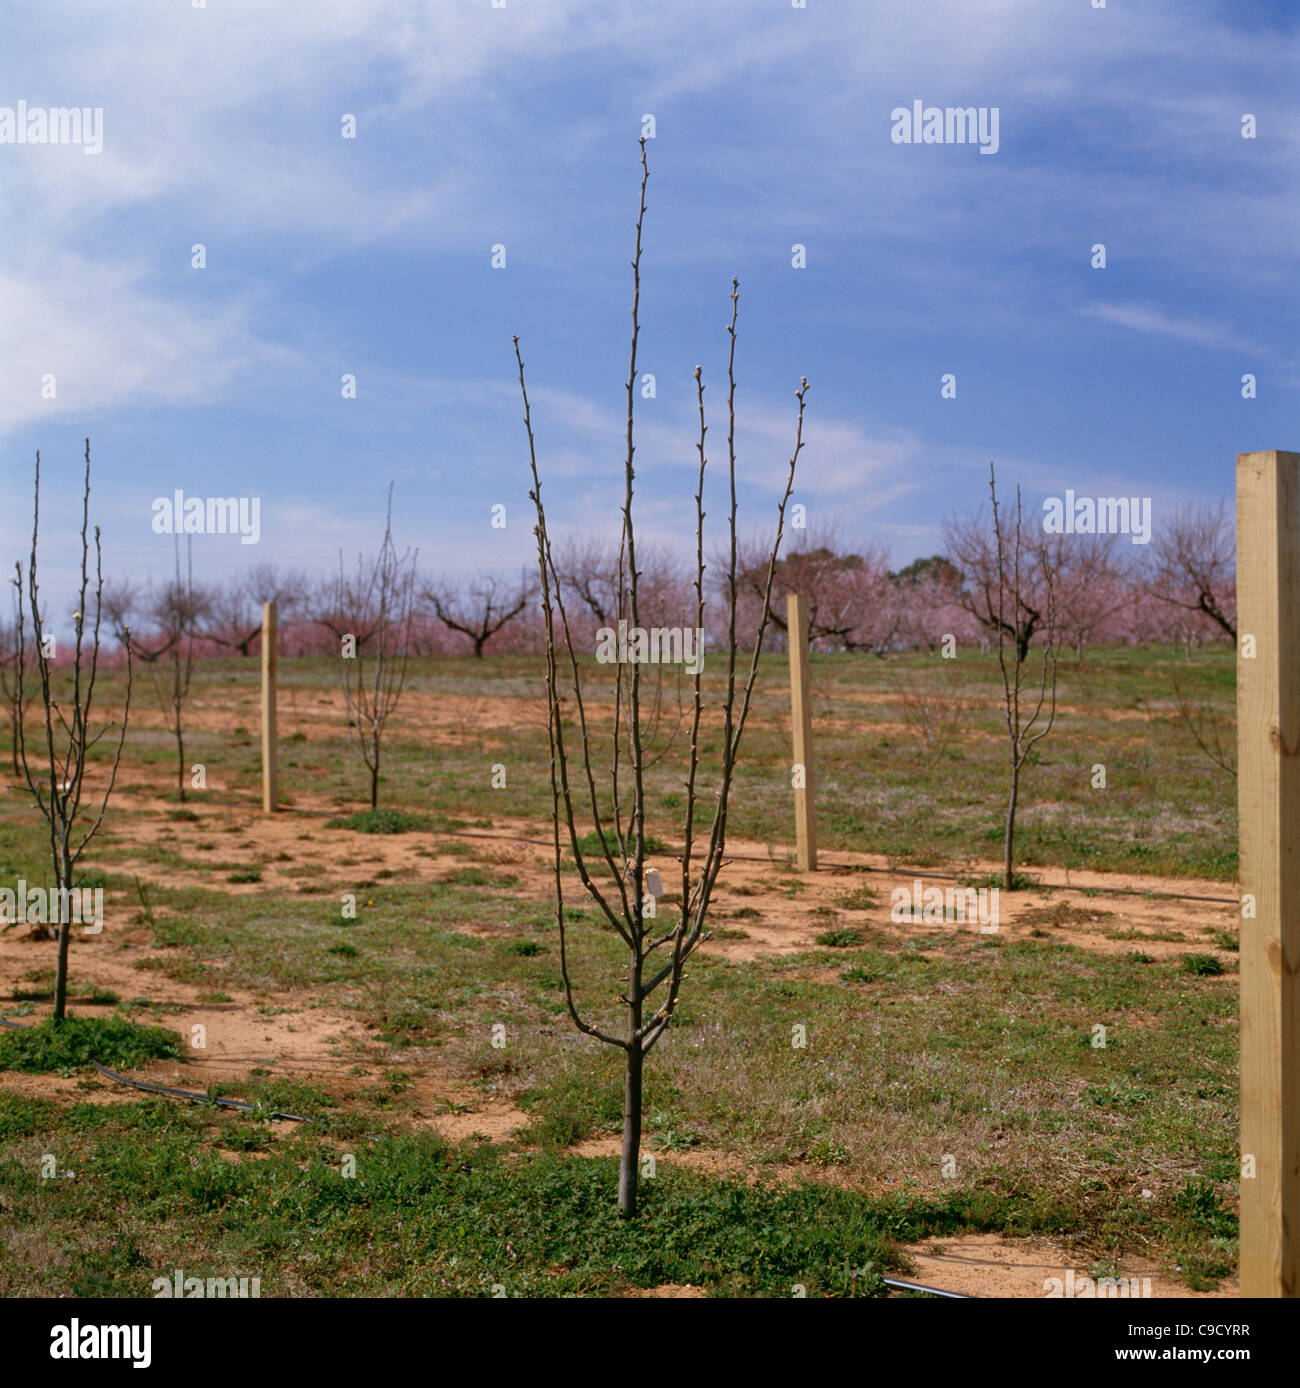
{"points": [[1268, 800], [270, 667], [805, 830]]}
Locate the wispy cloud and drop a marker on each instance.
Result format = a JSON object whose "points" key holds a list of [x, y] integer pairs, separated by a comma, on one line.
{"points": [[1144, 318], [87, 335]]}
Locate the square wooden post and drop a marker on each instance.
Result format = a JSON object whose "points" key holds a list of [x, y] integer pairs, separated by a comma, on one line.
{"points": [[805, 829], [1268, 799], [270, 668]]}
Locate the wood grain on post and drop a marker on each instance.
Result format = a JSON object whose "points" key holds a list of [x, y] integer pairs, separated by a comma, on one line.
{"points": [[1268, 802], [270, 667], [805, 832]]}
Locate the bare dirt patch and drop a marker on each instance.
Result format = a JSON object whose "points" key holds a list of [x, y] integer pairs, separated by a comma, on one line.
{"points": [[991, 1265], [279, 1034], [1109, 913], [495, 1119]]}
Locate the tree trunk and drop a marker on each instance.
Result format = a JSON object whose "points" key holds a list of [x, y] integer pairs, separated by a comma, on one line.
{"points": [[65, 930], [180, 758], [631, 1155], [1011, 823], [374, 785]]}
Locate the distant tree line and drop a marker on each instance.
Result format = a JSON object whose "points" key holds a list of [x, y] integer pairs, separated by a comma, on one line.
{"points": [[1179, 590]]}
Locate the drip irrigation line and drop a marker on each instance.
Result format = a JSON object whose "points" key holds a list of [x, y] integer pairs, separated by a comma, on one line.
{"points": [[919, 1287], [192, 1097], [169, 1091]]}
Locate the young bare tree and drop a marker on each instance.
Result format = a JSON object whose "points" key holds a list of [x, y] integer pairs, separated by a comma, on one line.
{"points": [[176, 612], [617, 811], [59, 792], [974, 547], [487, 604], [127, 606], [234, 617], [1213, 730], [345, 606], [1194, 557], [934, 706], [9, 681], [373, 672], [1023, 586], [590, 569]]}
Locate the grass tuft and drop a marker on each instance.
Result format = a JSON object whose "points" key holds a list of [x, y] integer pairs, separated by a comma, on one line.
{"points": [[380, 821], [66, 1047]]}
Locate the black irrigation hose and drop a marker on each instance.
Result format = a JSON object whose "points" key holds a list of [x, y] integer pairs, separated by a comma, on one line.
{"points": [[173, 1093], [194, 1098]]}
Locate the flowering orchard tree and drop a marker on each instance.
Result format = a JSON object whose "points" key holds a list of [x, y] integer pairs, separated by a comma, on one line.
{"points": [[1194, 567]]}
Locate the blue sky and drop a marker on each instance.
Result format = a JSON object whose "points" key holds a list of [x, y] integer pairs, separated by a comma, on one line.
{"points": [[518, 125]]}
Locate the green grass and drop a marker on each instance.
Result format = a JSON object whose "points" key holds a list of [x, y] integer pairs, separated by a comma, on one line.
{"points": [[71, 1045], [1020, 881], [420, 1218], [591, 844], [840, 939], [423, 1218], [379, 821], [41, 989]]}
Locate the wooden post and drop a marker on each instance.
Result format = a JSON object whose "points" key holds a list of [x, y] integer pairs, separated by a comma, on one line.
{"points": [[1268, 802], [270, 750], [805, 830]]}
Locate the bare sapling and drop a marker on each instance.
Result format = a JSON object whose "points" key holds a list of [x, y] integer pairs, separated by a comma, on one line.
{"points": [[657, 948], [934, 707], [373, 672], [235, 608], [974, 548], [9, 681], [58, 786], [1015, 582], [177, 613], [1213, 731]]}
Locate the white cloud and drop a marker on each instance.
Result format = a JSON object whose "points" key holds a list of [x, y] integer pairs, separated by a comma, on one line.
{"points": [[1144, 318], [109, 341]]}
